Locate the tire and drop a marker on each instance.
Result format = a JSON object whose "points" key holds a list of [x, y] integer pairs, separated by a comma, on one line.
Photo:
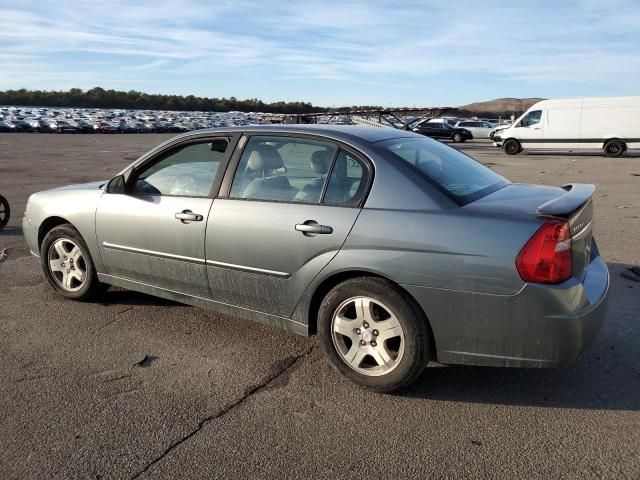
{"points": [[5, 212], [67, 264], [457, 138], [349, 338], [614, 148], [511, 147]]}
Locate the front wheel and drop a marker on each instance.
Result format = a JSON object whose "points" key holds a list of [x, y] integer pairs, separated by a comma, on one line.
{"points": [[67, 264], [511, 147], [457, 138], [373, 334]]}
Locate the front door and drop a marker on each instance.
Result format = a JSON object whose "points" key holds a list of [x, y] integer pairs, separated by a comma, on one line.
{"points": [[529, 130], [290, 208], [154, 233]]}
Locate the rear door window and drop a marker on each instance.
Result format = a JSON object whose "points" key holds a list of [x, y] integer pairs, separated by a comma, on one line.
{"points": [[283, 169], [348, 180]]}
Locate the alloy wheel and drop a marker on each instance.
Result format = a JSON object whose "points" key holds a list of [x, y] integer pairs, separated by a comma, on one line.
{"points": [[67, 264], [367, 336]]}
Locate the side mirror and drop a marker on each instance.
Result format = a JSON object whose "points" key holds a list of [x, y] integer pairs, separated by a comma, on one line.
{"points": [[116, 185]]}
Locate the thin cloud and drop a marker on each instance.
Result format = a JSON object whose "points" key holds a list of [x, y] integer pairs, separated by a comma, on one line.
{"points": [[379, 44]]}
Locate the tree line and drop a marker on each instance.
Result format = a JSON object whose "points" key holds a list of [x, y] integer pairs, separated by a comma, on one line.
{"points": [[100, 98]]}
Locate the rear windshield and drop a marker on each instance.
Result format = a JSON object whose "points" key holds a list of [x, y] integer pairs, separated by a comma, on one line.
{"points": [[459, 176]]}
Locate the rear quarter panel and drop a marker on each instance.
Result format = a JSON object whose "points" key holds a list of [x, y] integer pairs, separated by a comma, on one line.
{"points": [[440, 249]]}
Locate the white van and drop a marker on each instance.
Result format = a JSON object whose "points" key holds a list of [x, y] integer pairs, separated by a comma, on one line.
{"points": [[610, 124]]}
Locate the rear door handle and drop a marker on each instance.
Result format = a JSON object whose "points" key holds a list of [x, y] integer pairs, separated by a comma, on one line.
{"points": [[187, 216], [312, 227]]}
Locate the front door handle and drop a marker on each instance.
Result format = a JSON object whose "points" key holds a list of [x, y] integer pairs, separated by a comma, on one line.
{"points": [[187, 216], [311, 227]]}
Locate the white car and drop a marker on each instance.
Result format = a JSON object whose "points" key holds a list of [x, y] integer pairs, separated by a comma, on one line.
{"points": [[478, 128]]}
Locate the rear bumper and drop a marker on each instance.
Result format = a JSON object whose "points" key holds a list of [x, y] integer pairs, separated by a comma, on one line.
{"points": [[540, 326]]}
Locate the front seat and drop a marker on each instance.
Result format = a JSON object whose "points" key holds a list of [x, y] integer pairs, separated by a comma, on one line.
{"points": [[266, 184], [320, 164]]}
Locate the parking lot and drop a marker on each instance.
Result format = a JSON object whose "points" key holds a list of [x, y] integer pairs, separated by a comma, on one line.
{"points": [[135, 386]]}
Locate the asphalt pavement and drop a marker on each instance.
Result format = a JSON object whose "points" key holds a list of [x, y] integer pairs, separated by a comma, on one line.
{"points": [[132, 386]]}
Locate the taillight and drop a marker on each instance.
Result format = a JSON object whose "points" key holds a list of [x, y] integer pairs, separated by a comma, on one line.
{"points": [[546, 257]]}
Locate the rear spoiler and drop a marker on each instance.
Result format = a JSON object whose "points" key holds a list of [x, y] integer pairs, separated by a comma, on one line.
{"points": [[577, 195]]}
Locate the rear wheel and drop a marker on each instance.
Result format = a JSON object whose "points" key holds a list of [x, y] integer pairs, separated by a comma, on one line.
{"points": [[374, 334], [5, 212], [614, 148], [511, 147], [67, 264]]}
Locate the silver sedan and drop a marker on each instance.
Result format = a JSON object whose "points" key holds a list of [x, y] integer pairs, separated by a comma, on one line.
{"points": [[395, 249]]}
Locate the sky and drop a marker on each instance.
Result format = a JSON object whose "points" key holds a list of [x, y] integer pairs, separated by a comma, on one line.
{"points": [[329, 52]]}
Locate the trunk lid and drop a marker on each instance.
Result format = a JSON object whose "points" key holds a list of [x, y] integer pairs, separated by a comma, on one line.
{"points": [[571, 202]]}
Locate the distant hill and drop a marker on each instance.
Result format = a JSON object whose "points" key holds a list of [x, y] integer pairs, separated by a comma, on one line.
{"points": [[501, 105]]}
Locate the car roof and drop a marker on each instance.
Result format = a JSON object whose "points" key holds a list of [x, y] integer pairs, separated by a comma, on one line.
{"points": [[346, 133]]}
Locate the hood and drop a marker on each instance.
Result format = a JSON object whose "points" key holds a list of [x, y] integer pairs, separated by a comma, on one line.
{"points": [[83, 186]]}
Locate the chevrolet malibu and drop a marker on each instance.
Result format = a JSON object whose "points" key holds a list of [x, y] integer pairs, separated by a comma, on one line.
{"points": [[394, 248]]}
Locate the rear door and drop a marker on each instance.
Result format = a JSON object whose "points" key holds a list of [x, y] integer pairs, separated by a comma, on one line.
{"points": [[434, 130], [473, 127], [281, 218]]}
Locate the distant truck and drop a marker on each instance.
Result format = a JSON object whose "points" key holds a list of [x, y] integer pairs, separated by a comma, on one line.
{"points": [[609, 124]]}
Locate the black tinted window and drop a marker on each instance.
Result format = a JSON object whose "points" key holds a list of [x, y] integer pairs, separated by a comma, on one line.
{"points": [[458, 175]]}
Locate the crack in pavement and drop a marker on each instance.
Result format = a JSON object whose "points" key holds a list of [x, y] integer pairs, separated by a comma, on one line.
{"points": [[112, 321], [287, 365]]}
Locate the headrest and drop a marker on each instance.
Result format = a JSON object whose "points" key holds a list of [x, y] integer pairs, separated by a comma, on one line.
{"points": [[320, 161], [264, 157]]}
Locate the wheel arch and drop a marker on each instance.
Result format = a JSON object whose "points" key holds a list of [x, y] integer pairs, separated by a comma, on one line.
{"points": [[617, 139], [512, 139], [323, 288], [48, 224]]}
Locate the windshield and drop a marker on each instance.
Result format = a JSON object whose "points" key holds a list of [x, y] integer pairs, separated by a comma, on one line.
{"points": [[459, 176]]}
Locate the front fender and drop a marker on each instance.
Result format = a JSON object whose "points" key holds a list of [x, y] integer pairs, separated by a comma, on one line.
{"points": [[74, 205]]}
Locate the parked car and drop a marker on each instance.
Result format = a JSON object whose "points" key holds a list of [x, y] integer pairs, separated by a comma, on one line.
{"points": [[84, 127], [65, 127], [477, 128], [104, 127], [607, 124], [6, 127], [38, 125], [393, 248], [21, 126], [443, 131]]}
